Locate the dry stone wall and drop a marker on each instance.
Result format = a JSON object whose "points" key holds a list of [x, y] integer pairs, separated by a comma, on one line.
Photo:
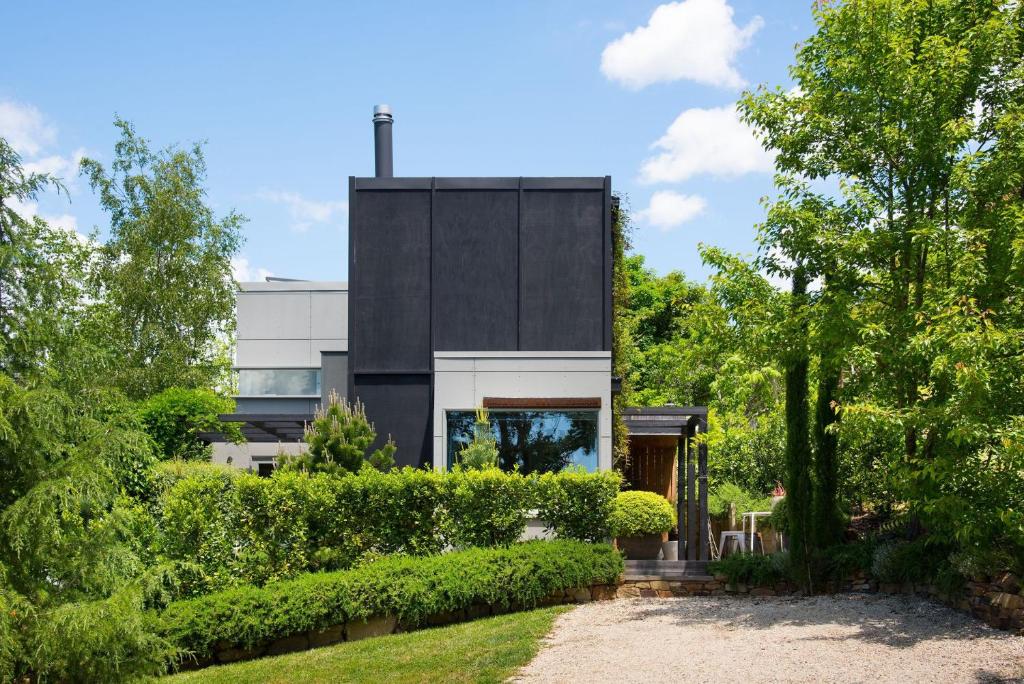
{"points": [[382, 625], [998, 600]]}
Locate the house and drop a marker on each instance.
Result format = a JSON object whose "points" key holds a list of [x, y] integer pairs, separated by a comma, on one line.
{"points": [[463, 293], [291, 351]]}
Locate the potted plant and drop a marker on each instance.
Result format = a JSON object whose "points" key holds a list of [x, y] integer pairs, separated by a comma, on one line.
{"points": [[640, 522]]}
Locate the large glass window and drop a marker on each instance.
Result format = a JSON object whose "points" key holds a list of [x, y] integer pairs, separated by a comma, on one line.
{"points": [[535, 441], [279, 382]]}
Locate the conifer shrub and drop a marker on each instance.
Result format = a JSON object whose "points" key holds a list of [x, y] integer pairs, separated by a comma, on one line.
{"points": [[408, 588]]}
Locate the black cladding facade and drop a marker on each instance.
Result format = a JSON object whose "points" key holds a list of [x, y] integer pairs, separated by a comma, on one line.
{"points": [[468, 264]]}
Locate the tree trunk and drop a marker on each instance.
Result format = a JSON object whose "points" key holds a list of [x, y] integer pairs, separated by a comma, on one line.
{"points": [[828, 529]]}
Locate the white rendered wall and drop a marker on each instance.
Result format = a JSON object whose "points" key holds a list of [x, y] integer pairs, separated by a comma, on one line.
{"points": [[287, 325], [463, 379], [246, 456]]}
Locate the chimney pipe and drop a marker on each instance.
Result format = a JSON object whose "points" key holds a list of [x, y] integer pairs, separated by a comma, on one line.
{"points": [[382, 120]]}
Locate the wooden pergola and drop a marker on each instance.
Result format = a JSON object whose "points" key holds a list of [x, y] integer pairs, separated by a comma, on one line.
{"points": [[666, 435]]}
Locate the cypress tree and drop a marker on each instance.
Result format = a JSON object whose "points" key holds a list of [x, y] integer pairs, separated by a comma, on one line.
{"points": [[826, 520], [798, 447]]}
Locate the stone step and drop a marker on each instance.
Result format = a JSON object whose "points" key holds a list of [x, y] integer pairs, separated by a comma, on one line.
{"points": [[667, 570]]}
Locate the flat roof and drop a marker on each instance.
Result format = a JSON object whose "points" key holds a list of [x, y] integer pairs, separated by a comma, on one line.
{"points": [[295, 286], [482, 183], [671, 421]]}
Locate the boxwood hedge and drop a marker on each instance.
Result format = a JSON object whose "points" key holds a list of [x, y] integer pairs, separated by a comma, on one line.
{"points": [[409, 588]]}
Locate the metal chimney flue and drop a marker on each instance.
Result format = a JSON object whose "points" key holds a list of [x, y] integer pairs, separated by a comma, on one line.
{"points": [[383, 162]]}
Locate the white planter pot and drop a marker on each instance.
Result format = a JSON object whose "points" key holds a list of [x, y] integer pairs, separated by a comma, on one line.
{"points": [[670, 550]]}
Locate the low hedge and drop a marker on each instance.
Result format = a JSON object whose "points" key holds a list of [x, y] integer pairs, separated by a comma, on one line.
{"points": [[409, 588]]}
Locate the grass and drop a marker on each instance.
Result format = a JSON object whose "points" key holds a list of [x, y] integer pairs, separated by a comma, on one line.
{"points": [[487, 650]]}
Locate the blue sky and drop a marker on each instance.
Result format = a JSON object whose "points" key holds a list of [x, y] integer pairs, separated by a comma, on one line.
{"points": [[282, 94]]}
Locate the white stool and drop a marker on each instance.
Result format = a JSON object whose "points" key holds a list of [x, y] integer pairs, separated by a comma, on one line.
{"points": [[738, 535]]}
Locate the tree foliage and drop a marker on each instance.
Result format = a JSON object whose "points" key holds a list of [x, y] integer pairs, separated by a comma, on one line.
{"points": [[175, 417], [43, 273], [165, 273], [482, 452], [83, 323], [712, 345], [916, 109], [339, 439]]}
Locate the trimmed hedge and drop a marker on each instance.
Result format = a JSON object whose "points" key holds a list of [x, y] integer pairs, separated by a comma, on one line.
{"points": [[243, 529], [638, 513], [486, 507], [577, 504], [407, 588]]}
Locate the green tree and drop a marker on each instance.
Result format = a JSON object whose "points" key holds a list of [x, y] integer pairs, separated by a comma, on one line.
{"points": [[712, 345], [165, 273], [916, 108], [43, 273], [175, 417], [482, 452], [798, 449], [338, 440]]}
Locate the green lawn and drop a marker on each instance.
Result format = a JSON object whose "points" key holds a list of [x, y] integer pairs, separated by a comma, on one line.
{"points": [[488, 650]]}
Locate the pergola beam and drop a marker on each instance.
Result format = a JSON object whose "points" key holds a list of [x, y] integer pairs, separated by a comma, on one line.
{"points": [[683, 423]]}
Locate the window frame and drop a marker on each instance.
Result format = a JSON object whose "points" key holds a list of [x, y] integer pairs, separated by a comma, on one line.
{"points": [[448, 456]]}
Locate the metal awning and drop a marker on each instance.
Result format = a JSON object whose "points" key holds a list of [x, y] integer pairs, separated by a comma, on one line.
{"points": [[264, 427]]}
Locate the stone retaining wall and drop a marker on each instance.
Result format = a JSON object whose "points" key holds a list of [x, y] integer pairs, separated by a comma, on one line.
{"points": [[998, 601], [704, 586], [381, 625]]}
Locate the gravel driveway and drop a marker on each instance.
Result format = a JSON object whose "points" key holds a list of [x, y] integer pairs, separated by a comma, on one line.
{"points": [[844, 638]]}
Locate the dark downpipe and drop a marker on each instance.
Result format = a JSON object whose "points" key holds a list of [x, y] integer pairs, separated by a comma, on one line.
{"points": [[382, 157]]}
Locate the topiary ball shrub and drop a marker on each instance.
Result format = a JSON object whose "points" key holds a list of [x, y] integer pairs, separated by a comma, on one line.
{"points": [[638, 514]]}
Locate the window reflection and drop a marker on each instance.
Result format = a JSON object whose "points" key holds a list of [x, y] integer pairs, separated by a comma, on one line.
{"points": [[254, 382], [535, 441]]}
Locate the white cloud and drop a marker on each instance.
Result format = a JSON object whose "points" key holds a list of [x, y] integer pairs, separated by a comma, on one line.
{"points": [[695, 40], [669, 209], [706, 141], [306, 212], [68, 222], [65, 168], [30, 134], [244, 272], [25, 128]]}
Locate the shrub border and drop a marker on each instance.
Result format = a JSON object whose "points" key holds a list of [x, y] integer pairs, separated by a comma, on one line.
{"points": [[392, 594]]}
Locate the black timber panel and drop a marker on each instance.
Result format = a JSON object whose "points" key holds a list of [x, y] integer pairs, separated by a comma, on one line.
{"points": [[475, 270], [562, 276], [400, 406], [390, 281]]}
